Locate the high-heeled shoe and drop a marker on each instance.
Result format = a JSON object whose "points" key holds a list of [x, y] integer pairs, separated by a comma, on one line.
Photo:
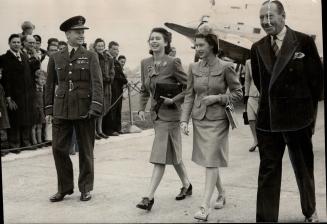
{"points": [[184, 192], [145, 204], [202, 214]]}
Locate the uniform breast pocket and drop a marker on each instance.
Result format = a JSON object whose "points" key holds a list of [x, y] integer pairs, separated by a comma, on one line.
{"points": [[84, 73], [84, 101]]}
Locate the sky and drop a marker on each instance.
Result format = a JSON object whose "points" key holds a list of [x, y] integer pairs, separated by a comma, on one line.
{"points": [[129, 22]]}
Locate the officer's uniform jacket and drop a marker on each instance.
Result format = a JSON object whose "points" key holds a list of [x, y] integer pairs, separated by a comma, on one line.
{"points": [[79, 89]]}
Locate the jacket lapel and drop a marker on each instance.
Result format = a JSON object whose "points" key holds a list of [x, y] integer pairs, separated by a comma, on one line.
{"points": [[265, 53], [78, 53], [65, 54], [287, 50]]}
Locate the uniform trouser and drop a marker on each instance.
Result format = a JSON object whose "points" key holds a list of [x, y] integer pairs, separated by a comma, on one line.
{"points": [[271, 149], [62, 136], [19, 136]]}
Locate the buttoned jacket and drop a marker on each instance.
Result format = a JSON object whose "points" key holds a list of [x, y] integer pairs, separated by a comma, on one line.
{"points": [[79, 81], [210, 79], [290, 84], [169, 71]]}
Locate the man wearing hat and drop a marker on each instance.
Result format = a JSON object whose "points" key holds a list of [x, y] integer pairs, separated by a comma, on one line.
{"points": [[73, 104]]}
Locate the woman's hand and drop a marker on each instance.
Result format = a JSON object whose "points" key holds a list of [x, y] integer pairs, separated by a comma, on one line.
{"points": [[167, 101], [184, 127], [141, 114], [211, 99]]}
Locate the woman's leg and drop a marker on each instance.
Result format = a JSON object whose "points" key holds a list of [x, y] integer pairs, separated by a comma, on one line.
{"points": [[158, 171], [39, 133], [219, 184], [33, 134], [181, 171], [210, 183], [254, 134]]}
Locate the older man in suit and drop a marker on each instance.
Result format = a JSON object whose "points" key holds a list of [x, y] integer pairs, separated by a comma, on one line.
{"points": [[74, 105], [288, 74]]}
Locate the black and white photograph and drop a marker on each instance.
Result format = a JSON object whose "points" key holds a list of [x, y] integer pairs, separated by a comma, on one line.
{"points": [[162, 111]]}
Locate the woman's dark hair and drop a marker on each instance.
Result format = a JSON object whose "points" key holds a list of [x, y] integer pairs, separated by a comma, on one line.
{"points": [[98, 40], [166, 35], [12, 36], [211, 39]]}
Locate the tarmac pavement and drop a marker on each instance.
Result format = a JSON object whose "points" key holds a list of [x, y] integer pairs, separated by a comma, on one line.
{"points": [[122, 176]]}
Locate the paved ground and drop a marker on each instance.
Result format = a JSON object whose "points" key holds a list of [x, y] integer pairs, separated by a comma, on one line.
{"points": [[122, 174]]}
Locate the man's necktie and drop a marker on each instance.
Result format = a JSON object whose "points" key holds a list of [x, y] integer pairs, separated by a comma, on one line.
{"points": [[18, 57], [275, 46], [72, 53]]}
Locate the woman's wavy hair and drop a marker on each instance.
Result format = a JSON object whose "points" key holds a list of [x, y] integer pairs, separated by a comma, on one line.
{"points": [[98, 40], [166, 35]]}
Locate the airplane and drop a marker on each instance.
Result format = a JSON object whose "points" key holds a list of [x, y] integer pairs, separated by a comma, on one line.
{"points": [[236, 39]]}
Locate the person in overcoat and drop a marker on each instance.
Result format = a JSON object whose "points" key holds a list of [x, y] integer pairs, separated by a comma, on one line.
{"points": [[288, 73], [167, 145], [20, 93], [74, 98], [108, 74], [205, 98]]}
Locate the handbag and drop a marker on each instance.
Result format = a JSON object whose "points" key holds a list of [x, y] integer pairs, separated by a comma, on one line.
{"points": [[229, 109], [168, 90], [245, 118]]}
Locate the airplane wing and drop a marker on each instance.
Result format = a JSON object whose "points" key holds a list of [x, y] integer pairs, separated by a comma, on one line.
{"points": [[233, 47]]}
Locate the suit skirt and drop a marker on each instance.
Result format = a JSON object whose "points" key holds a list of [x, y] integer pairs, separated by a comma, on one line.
{"points": [[252, 108], [210, 142], [167, 144]]}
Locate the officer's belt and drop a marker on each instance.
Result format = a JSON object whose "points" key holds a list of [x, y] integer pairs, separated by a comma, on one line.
{"points": [[72, 85]]}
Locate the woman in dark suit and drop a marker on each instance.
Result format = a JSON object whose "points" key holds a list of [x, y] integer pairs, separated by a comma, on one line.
{"points": [[108, 72], [206, 98], [167, 147]]}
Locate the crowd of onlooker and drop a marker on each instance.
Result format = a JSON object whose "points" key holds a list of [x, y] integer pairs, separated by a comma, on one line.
{"points": [[23, 72]]}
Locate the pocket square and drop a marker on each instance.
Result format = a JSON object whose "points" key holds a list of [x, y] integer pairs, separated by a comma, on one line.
{"points": [[298, 55]]}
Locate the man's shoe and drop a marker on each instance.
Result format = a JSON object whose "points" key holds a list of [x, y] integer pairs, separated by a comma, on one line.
{"points": [[102, 135], [145, 204], [16, 151], [184, 192], [120, 132], [60, 196], [114, 133], [85, 196], [312, 218]]}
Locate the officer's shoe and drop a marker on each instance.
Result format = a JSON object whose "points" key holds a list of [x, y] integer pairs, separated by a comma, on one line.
{"points": [[60, 196], [85, 196]]}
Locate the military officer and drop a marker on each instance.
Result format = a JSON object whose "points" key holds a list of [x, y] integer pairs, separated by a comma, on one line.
{"points": [[73, 98]]}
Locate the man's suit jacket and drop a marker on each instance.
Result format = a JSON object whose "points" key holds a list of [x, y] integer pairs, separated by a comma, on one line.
{"points": [[170, 71], [290, 85], [206, 80], [79, 85]]}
